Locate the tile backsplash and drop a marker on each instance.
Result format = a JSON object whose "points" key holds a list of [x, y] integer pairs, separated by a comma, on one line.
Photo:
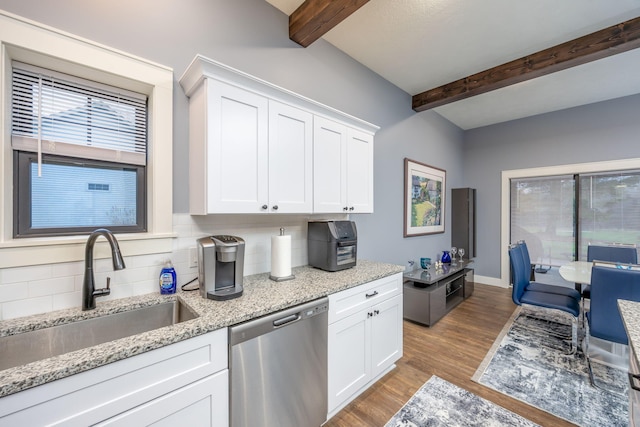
{"points": [[43, 288]]}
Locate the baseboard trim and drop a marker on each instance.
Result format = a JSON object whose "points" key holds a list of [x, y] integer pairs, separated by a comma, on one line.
{"points": [[492, 281]]}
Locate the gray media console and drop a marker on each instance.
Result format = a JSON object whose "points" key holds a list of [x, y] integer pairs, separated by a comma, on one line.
{"points": [[430, 294]]}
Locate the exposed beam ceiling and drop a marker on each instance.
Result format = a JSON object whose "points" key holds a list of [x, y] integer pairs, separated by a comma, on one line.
{"points": [[418, 45], [314, 18], [600, 44]]}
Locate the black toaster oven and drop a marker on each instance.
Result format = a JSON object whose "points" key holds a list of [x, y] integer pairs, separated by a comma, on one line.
{"points": [[332, 245]]}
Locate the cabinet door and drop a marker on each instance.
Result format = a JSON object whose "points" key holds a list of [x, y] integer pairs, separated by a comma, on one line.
{"points": [[237, 150], [386, 334], [349, 357], [204, 403], [329, 166], [290, 159], [359, 171]]}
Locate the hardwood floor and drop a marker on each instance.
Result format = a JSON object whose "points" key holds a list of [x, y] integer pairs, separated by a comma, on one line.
{"points": [[452, 349]]}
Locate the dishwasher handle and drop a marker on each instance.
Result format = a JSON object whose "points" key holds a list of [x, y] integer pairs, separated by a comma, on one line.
{"points": [[276, 321], [286, 320]]}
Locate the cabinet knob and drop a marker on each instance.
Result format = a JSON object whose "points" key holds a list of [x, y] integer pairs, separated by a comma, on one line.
{"points": [[376, 312], [345, 208], [265, 207], [275, 207], [351, 208], [369, 314]]}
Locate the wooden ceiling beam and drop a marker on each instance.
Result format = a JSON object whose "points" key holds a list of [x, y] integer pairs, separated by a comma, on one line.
{"points": [[600, 44], [314, 18]]}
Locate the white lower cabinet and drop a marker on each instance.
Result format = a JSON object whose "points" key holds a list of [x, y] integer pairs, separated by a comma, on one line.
{"points": [[186, 381], [203, 403], [365, 338]]}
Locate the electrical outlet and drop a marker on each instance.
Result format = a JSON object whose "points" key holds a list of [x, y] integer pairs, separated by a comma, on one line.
{"points": [[193, 257]]}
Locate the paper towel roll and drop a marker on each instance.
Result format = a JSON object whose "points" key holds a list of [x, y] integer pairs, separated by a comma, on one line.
{"points": [[280, 256]]}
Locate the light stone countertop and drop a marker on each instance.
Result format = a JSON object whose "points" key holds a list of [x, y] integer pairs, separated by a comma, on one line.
{"points": [[261, 296], [630, 313]]}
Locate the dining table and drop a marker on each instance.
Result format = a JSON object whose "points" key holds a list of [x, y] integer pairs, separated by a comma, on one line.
{"points": [[578, 272]]}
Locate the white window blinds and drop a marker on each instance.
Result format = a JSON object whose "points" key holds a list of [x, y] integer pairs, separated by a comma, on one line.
{"points": [[542, 214], [60, 114]]}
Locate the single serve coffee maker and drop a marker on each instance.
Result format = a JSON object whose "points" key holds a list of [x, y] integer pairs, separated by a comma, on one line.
{"points": [[220, 267]]}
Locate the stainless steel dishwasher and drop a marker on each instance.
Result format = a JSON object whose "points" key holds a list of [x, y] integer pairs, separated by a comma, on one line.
{"points": [[278, 368]]}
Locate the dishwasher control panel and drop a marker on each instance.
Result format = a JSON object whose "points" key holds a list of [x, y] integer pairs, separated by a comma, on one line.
{"points": [[314, 311]]}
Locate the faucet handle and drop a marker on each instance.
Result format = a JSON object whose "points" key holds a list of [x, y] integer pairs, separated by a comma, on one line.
{"points": [[103, 291]]}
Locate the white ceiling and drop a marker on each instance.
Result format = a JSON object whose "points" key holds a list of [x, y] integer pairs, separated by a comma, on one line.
{"points": [[422, 44]]}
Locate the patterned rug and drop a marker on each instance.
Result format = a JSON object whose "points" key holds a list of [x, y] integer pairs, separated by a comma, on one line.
{"points": [[440, 403], [529, 364]]}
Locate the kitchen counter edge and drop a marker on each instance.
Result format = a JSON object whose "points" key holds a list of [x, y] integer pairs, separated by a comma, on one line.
{"points": [[261, 296], [630, 313]]}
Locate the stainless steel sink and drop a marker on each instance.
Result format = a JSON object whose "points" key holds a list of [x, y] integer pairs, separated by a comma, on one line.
{"points": [[27, 347]]}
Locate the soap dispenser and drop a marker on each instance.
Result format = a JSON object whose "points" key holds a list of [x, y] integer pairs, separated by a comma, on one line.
{"points": [[168, 279]]}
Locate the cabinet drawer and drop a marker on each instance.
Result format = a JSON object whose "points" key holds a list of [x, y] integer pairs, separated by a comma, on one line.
{"points": [[350, 301], [95, 395]]}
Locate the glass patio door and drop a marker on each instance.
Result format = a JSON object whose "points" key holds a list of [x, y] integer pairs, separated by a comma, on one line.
{"points": [[609, 209], [558, 228], [543, 215]]}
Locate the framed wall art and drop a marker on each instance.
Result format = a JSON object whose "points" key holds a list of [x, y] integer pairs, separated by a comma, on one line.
{"points": [[424, 199]]}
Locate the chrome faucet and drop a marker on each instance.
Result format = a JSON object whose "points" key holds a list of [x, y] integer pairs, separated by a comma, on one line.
{"points": [[89, 291]]}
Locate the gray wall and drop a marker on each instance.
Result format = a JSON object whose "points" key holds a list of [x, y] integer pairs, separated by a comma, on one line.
{"points": [[597, 132], [252, 36]]}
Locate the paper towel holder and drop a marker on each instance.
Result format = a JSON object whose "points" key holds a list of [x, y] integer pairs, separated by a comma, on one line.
{"points": [[283, 278]]}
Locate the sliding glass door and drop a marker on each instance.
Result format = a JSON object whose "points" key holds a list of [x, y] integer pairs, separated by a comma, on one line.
{"points": [[543, 215], [609, 209], [559, 216]]}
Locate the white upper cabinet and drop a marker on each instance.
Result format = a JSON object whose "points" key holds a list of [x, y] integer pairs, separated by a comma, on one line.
{"points": [[229, 151], [290, 159], [257, 148], [343, 168], [330, 160]]}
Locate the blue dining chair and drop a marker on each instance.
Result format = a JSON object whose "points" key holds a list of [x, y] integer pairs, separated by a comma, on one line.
{"points": [[608, 285], [567, 305], [543, 287], [624, 254]]}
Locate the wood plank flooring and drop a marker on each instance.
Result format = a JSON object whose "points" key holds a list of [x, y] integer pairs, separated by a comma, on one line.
{"points": [[452, 349]]}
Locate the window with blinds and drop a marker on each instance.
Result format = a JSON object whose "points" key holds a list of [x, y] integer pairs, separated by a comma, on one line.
{"points": [[542, 214], [559, 216], [609, 209], [68, 134]]}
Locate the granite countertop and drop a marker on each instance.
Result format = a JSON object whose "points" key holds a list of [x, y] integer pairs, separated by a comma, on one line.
{"points": [[630, 313], [261, 296]]}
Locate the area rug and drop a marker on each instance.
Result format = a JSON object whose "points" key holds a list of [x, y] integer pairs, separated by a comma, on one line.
{"points": [[529, 364], [440, 403]]}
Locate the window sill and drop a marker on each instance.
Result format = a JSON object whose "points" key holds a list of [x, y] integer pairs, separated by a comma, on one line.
{"points": [[20, 253]]}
